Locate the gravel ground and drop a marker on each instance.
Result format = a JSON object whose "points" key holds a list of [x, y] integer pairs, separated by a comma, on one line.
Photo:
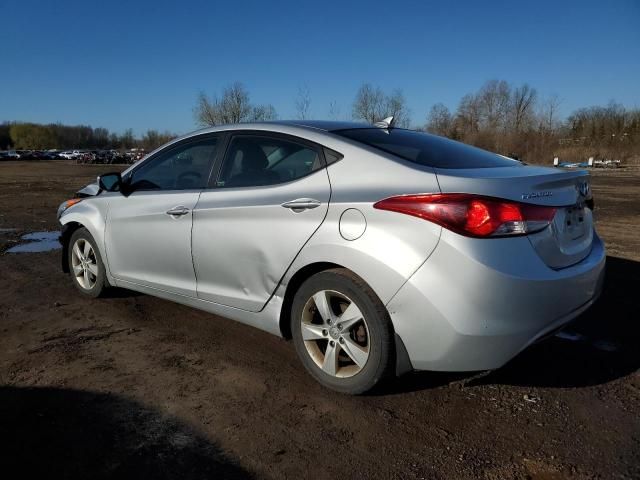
{"points": [[134, 386]]}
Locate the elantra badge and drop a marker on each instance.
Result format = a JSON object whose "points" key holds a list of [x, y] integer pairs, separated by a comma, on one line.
{"points": [[529, 196]]}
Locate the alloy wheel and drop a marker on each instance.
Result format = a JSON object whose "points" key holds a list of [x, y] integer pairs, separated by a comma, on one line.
{"points": [[335, 333], [84, 264]]}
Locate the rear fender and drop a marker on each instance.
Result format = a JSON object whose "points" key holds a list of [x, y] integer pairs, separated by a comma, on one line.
{"points": [[390, 249]]}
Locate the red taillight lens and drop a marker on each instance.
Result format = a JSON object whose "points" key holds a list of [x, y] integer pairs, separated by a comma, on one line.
{"points": [[472, 215]]}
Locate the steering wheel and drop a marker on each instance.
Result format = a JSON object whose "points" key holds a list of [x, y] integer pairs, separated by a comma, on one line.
{"points": [[190, 176]]}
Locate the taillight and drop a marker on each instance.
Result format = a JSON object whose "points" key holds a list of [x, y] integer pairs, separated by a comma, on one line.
{"points": [[473, 215]]}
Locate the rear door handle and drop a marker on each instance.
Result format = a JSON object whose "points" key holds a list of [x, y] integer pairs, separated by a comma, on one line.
{"points": [[300, 204], [178, 211]]}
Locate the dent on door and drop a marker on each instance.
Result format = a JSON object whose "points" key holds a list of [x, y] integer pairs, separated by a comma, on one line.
{"points": [[244, 240]]}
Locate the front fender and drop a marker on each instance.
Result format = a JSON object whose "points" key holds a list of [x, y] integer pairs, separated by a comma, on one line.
{"points": [[90, 214]]}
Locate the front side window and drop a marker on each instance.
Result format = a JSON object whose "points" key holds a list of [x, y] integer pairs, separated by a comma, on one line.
{"points": [[257, 161], [184, 167]]}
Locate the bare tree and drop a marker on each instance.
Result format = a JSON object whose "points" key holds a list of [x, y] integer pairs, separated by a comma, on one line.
{"points": [[522, 106], [127, 140], [493, 103], [372, 105], [369, 104], [549, 113], [206, 111], [263, 113], [303, 102], [396, 107], [468, 114], [233, 107], [439, 120], [152, 139]]}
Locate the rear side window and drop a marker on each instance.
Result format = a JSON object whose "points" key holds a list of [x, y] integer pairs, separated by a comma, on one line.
{"points": [[425, 149], [254, 161]]}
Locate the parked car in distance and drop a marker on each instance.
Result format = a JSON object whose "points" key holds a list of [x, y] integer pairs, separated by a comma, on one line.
{"points": [[607, 163], [50, 155], [12, 154], [32, 155], [377, 250], [69, 155]]}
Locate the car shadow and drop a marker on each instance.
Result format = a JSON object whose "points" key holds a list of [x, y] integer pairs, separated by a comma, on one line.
{"points": [[598, 347], [118, 292], [418, 380], [72, 434]]}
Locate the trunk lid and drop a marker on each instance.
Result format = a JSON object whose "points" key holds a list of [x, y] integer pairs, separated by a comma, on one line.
{"points": [[569, 237]]}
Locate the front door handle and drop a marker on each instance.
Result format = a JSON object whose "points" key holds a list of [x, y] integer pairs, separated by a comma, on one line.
{"points": [[301, 204], [178, 211]]}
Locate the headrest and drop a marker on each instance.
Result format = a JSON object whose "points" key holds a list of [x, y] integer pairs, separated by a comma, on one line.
{"points": [[253, 157]]}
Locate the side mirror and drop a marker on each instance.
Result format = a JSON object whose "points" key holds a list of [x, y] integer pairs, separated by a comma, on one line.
{"points": [[110, 182]]}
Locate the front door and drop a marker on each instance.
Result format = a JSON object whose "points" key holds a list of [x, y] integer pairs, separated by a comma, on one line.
{"points": [[148, 233]]}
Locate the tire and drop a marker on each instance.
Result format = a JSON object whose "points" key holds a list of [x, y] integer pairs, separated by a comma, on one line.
{"points": [[333, 349], [94, 283]]}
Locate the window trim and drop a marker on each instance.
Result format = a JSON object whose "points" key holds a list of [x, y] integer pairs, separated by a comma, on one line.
{"points": [[220, 146], [231, 135]]}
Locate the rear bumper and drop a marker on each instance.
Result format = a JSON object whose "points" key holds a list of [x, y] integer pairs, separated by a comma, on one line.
{"points": [[474, 305]]}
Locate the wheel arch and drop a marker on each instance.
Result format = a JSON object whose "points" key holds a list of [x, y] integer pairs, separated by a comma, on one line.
{"points": [[401, 357], [65, 238], [89, 215], [293, 285]]}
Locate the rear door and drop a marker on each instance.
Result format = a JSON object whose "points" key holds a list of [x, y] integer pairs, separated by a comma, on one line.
{"points": [[148, 233], [271, 195]]}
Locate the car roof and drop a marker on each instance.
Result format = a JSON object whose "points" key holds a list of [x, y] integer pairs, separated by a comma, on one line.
{"points": [[277, 125], [295, 127], [326, 125]]}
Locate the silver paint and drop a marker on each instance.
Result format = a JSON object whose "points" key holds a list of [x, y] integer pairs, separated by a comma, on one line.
{"points": [[352, 224], [457, 303]]}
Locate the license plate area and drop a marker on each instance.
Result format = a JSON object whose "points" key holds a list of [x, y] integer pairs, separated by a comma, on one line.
{"points": [[575, 222]]}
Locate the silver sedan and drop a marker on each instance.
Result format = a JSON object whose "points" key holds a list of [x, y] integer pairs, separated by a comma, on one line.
{"points": [[377, 250]]}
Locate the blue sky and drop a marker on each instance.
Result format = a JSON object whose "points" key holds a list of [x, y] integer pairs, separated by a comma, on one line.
{"points": [[141, 64]]}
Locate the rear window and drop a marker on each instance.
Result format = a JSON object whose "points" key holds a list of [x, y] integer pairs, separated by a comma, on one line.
{"points": [[425, 149]]}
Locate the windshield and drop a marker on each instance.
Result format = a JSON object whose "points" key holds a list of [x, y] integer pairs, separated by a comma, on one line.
{"points": [[426, 149]]}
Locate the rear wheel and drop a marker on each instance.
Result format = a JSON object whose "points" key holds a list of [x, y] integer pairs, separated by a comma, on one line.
{"points": [[85, 264], [342, 332]]}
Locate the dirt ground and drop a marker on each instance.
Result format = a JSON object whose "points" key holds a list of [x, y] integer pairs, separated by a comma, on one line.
{"points": [[133, 386]]}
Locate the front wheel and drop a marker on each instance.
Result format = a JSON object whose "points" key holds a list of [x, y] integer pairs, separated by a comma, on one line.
{"points": [[342, 332], [85, 264]]}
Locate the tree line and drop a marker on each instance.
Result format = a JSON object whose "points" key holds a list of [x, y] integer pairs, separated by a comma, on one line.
{"points": [[516, 121], [513, 120], [234, 106], [35, 136]]}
